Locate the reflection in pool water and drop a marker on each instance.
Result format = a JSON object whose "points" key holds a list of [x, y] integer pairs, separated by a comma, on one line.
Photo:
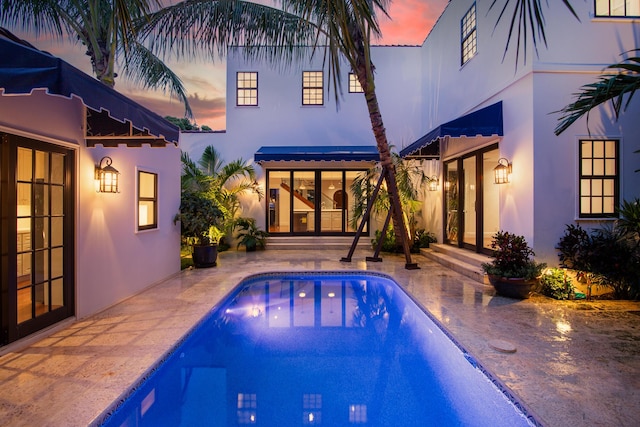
{"points": [[333, 349]]}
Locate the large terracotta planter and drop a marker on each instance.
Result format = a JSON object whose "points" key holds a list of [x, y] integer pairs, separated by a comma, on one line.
{"points": [[513, 287], [205, 256]]}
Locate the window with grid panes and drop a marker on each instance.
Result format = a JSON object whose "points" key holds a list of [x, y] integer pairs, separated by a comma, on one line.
{"points": [[246, 88], [599, 178], [312, 88], [354, 84], [469, 37], [617, 8]]}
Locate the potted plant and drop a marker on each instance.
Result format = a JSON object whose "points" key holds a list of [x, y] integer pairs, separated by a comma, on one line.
{"points": [[513, 271], [199, 217], [250, 236]]}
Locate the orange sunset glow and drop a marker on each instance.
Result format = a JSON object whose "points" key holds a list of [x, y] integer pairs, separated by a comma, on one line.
{"points": [[409, 23]]}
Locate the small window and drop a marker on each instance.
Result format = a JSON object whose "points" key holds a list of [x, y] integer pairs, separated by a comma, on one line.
{"points": [[354, 84], [247, 408], [618, 8], [312, 88], [469, 38], [599, 178], [147, 200], [311, 409], [246, 88]]}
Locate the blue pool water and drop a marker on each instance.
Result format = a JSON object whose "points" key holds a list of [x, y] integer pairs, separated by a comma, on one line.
{"points": [[332, 349]]}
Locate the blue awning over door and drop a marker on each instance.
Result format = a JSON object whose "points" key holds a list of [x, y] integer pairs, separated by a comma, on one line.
{"points": [[363, 153], [484, 122], [24, 69]]}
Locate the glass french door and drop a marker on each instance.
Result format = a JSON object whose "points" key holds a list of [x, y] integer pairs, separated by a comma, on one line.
{"points": [[310, 202], [37, 235], [471, 209]]}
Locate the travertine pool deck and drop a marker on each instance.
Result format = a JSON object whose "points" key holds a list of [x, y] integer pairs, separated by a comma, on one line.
{"points": [[577, 363]]}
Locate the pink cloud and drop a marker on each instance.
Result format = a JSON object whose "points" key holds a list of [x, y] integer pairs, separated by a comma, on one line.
{"points": [[411, 21]]}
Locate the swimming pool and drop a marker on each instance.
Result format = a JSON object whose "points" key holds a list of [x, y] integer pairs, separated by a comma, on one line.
{"points": [[318, 348]]}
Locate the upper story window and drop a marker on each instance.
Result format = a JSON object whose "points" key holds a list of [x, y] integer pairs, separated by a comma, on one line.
{"points": [[354, 84], [469, 35], [312, 88], [599, 178], [469, 45], [147, 200], [246, 88], [617, 8]]}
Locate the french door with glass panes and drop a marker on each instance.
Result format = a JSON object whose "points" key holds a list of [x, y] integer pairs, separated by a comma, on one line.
{"points": [[37, 235], [471, 208], [311, 202]]}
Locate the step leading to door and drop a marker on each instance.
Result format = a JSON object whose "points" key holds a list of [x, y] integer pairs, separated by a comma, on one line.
{"points": [[463, 261]]}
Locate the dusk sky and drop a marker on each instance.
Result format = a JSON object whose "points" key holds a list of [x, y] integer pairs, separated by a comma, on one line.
{"points": [[411, 21]]}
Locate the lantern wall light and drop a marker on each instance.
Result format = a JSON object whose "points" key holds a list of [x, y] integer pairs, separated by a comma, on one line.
{"points": [[107, 177], [433, 183], [502, 172]]}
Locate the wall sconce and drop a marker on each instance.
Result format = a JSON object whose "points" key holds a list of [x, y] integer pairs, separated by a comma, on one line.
{"points": [[332, 187], [433, 183], [107, 177], [502, 172]]}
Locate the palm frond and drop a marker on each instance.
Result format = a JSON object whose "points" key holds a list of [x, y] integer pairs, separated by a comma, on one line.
{"points": [[204, 28], [609, 87], [526, 22], [148, 71]]}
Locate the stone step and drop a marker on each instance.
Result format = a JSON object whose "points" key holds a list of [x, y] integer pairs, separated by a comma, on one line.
{"points": [[316, 242], [463, 261]]}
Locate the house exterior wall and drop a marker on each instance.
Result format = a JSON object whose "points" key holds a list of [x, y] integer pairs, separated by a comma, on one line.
{"points": [[542, 196], [112, 261], [420, 88]]}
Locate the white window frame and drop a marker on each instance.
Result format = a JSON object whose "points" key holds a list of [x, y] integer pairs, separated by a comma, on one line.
{"points": [[246, 89], [468, 35], [311, 89]]}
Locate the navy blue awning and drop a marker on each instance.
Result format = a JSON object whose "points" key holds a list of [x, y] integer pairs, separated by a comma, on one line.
{"points": [[365, 153], [24, 69], [484, 122]]}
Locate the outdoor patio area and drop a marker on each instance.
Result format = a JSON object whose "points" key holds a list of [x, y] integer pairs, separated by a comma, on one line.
{"points": [[576, 363]]}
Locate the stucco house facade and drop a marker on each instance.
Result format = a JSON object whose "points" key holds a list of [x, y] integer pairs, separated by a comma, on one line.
{"points": [[70, 250], [459, 105]]}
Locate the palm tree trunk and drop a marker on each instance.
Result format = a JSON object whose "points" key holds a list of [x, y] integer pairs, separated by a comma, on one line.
{"points": [[380, 135]]}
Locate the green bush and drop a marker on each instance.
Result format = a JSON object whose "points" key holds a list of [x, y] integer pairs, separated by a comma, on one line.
{"points": [[556, 284], [610, 256], [422, 239]]}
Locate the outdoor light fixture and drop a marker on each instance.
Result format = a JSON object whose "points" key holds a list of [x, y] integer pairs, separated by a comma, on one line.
{"points": [[502, 172], [107, 177], [433, 183]]}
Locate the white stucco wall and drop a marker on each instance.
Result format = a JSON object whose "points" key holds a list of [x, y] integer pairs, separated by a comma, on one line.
{"points": [[542, 196], [113, 262], [420, 88]]}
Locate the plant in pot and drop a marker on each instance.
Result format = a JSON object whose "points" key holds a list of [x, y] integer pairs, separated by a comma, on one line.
{"points": [[513, 272], [199, 218], [249, 235]]}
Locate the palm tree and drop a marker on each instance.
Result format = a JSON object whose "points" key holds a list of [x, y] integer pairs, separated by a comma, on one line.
{"points": [[223, 183], [107, 29], [411, 180]]}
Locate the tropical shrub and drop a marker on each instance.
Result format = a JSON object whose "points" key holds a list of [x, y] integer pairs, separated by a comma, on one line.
{"points": [[606, 256], [512, 258], [556, 284], [422, 239]]}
